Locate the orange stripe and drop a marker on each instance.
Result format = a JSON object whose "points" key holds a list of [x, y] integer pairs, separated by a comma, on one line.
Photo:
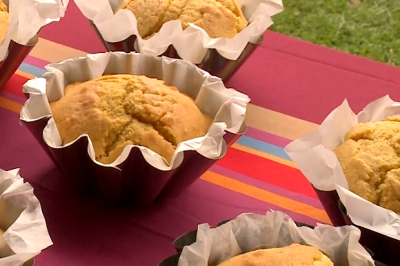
{"points": [[266, 196], [10, 105], [24, 74], [264, 155]]}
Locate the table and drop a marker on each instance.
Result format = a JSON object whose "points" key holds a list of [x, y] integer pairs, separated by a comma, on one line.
{"points": [[293, 86]]}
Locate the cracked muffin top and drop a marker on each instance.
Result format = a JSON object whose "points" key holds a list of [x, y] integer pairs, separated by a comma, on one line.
{"points": [[370, 161], [120, 110], [219, 18], [4, 21], [295, 254]]}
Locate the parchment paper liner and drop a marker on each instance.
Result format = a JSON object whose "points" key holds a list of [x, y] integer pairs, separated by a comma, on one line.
{"points": [[253, 231], [22, 220], [221, 57], [190, 238], [25, 25], [139, 174], [315, 158]]}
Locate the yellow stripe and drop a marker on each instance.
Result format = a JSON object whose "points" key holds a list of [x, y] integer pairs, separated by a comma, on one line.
{"points": [[266, 196], [10, 105], [54, 52], [277, 123], [264, 155]]}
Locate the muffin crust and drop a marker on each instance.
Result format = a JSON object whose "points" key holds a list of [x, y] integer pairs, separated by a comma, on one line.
{"points": [[370, 161], [120, 110], [219, 18], [293, 255], [4, 21]]}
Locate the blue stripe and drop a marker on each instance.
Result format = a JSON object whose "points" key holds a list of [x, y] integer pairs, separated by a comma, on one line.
{"points": [[264, 147], [36, 71]]}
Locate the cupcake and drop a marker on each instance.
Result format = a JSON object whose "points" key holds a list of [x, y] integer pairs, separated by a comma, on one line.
{"points": [[23, 230], [355, 157], [217, 36], [120, 110], [275, 239], [132, 126], [20, 23], [369, 158]]}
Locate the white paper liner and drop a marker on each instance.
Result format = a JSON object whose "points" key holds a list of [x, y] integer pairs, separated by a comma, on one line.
{"points": [[249, 232], [21, 215], [314, 155], [27, 17], [227, 106], [119, 26]]}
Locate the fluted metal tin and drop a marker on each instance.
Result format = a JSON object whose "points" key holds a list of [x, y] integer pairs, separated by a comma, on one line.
{"points": [[128, 184], [214, 63], [15, 56], [177, 184], [384, 248], [171, 261], [329, 200], [134, 180]]}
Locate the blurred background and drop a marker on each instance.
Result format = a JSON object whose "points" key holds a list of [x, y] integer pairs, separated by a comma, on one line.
{"points": [[368, 28]]}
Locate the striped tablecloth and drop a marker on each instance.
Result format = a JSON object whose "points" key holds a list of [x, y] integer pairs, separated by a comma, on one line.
{"points": [[293, 86]]}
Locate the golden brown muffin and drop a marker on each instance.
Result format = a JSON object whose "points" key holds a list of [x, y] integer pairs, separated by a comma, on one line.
{"points": [[3, 247], [293, 255], [120, 110], [370, 161], [219, 18], [4, 21], [3, 6]]}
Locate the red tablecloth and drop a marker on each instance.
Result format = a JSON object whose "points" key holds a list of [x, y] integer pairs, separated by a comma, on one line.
{"points": [[285, 75]]}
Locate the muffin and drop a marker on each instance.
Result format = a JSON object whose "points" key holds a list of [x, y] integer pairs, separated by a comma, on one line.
{"points": [[369, 157], [295, 254], [4, 21], [120, 110], [219, 18], [274, 239], [3, 246]]}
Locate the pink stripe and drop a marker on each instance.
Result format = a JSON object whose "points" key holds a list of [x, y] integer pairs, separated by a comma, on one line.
{"points": [[12, 97], [267, 137], [34, 61]]}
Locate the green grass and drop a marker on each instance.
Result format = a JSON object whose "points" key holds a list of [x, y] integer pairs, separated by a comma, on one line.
{"points": [[369, 28]]}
